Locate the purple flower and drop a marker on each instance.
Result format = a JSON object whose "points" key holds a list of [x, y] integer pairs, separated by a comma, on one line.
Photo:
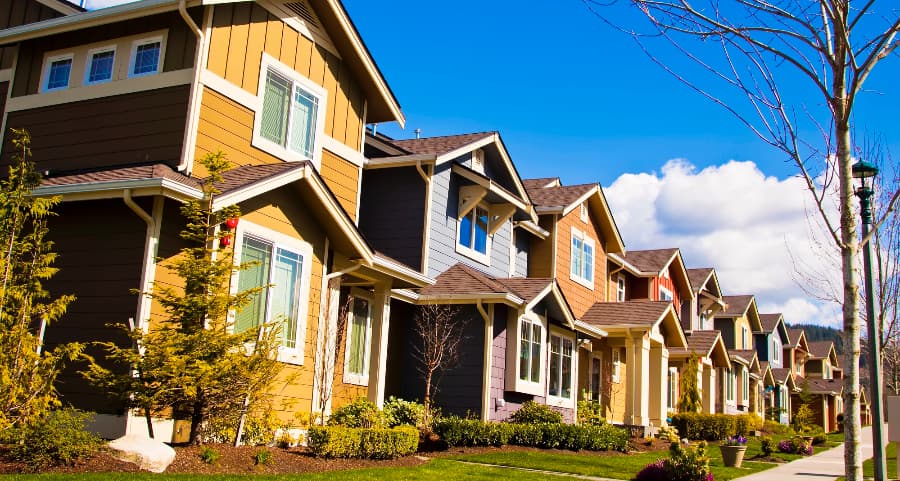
{"points": [[736, 441]]}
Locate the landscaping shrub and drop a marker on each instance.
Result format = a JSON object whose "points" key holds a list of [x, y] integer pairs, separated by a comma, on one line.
{"points": [[669, 433], [469, 432], [766, 445], [686, 463], [456, 431], [655, 471], [58, 438], [795, 445], [706, 427], [774, 427], [262, 457], [590, 413], [534, 413], [744, 423], [369, 443], [209, 455], [361, 413], [398, 412]]}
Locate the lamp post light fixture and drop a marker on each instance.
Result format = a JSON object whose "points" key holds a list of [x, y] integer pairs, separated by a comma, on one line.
{"points": [[866, 172]]}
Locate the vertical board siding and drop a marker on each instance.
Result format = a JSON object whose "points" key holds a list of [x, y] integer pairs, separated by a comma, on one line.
{"points": [[243, 31], [498, 363], [20, 12], [228, 126], [342, 177], [100, 246], [179, 49], [459, 391], [392, 213], [442, 249], [104, 132], [402, 379]]}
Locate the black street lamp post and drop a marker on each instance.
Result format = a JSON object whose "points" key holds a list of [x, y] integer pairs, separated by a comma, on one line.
{"points": [[866, 172]]}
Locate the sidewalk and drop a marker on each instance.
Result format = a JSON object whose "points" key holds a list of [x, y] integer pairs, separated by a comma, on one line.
{"points": [[824, 466]]}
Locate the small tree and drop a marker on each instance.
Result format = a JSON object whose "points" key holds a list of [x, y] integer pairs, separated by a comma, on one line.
{"points": [[27, 371], [689, 401], [193, 361], [439, 332]]}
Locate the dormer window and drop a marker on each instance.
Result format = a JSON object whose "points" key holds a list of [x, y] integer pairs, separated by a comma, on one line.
{"points": [[620, 290], [58, 71], [473, 236], [145, 55], [100, 64], [478, 161]]}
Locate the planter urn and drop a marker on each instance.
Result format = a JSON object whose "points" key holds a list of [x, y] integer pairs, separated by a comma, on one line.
{"points": [[733, 456]]}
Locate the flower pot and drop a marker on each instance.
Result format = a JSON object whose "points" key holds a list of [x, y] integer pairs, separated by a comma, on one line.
{"points": [[733, 456]]}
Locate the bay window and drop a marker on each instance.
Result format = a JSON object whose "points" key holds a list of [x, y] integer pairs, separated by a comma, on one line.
{"points": [[560, 380], [530, 338]]}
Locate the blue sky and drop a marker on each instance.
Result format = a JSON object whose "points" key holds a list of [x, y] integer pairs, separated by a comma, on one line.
{"points": [[576, 99]]}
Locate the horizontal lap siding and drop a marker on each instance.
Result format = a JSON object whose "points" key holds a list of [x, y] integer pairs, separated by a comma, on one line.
{"points": [[20, 12], [100, 246], [342, 177], [243, 31], [106, 131], [179, 54], [392, 213], [228, 126]]}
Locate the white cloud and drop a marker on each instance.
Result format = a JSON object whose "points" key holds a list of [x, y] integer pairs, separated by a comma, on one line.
{"points": [[97, 4], [754, 229]]}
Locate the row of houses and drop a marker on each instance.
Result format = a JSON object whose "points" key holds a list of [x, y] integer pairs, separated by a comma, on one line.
{"points": [[121, 101]]}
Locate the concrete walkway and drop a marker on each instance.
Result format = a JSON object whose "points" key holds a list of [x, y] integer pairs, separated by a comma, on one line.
{"points": [[824, 466]]}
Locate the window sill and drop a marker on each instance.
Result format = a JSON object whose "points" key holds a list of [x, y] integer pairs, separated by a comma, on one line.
{"points": [[527, 387], [290, 356], [580, 280], [356, 380], [474, 255], [560, 402]]}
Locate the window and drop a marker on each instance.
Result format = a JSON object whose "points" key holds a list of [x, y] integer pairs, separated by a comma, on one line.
{"points": [[729, 384], [665, 294], [776, 350], [827, 370], [582, 269], [745, 384], [99, 66], [616, 364], [673, 388], [745, 342], [620, 290], [57, 74], [530, 337], [596, 378], [560, 382], [145, 55], [359, 341], [583, 212], [473, 233]]}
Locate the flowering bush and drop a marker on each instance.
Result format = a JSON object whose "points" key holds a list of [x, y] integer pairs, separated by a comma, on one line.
{"points": [[735, 441], [795, 445], [655, 471]]}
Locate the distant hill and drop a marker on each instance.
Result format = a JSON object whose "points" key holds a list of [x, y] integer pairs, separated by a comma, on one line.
{"points": [[822, 333]]}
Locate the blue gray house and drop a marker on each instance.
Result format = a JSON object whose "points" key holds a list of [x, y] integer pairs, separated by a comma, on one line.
{"points": [[770, 343]]}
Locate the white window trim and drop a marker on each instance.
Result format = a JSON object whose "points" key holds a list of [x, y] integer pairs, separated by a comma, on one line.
{"points": [[745, 334], [311, 87], [665, 289], [513, 381], [672, 395], [143, 41], [45, 77], [616, 363], [621, 292], [89, 59], [472, 253], [730, 386], [286, 355], [776, 350], [577, 233], [353, 378], [745, 386], [560, 401]]}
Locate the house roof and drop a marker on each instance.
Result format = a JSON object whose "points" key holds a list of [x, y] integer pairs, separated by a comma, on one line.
{"points": [[699, 276], [707, 344], [549, 197], [770, 321], [654, 261], [737, 305], [440, 145], [822, 349], [100, 177], [782, 375], [541, 182], [743, 356], [381, 104], [622, 316], [821, 386], [798, 338]]}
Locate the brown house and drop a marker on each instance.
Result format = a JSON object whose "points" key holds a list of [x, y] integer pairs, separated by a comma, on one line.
{"points": [[121, 101]]}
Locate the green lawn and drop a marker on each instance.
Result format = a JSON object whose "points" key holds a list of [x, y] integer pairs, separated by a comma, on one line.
{"points": [[434, 470], [890, 453]]}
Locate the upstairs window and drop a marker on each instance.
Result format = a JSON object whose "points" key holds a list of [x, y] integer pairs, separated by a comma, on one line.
{"points": [[582, 267], [745, 341], [359, 341], [776, 350], [473, 233], [560, 382], [620, 290], [58, 71], [745, 378], [100, 64], [289, 114], [665, 294], [145, 56], [530, 338]]}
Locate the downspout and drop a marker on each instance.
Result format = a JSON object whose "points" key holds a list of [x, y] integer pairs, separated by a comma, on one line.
{"points": [[426, 231], [487, 357], [187, 157]]}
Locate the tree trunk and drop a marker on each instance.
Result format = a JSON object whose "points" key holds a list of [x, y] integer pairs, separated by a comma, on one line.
{"points": [[196, 420], [427, 401]]}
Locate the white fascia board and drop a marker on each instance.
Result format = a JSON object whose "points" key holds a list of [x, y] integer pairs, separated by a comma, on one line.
{"points": [[401, 271], [165, 187], [399, 161], [573, 205], [508, 299], [258, 188], [533, 228], [448, 156], [591, 330], [406, 295]]}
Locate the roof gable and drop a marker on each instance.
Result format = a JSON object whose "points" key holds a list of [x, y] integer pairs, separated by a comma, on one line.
{"points": [[655, 261], [643, 315]]}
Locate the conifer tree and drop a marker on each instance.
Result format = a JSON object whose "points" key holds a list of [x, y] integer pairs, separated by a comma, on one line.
{"points": [[191, 360], [689, 401], [27, 370]]}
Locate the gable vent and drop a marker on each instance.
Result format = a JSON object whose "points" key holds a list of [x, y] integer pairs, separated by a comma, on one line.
{"points": [[304, 11]]}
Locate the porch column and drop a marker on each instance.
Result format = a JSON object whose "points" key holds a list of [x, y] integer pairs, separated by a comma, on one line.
{"points": [[381, 321], [637, 392], [659, 383], [709, 389]]}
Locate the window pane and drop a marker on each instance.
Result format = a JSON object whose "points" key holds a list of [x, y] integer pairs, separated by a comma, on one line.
{"points": [[286, 294], [535, 353], [146, 58], [303, 122], [481, 228], [465, 231], [588, 262], [276, 100], [555, 365], [101, 66], [58, 77], [576, 256], [260, 253], [359, 337], [524, 351], [595, 379], [566, 368]]}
